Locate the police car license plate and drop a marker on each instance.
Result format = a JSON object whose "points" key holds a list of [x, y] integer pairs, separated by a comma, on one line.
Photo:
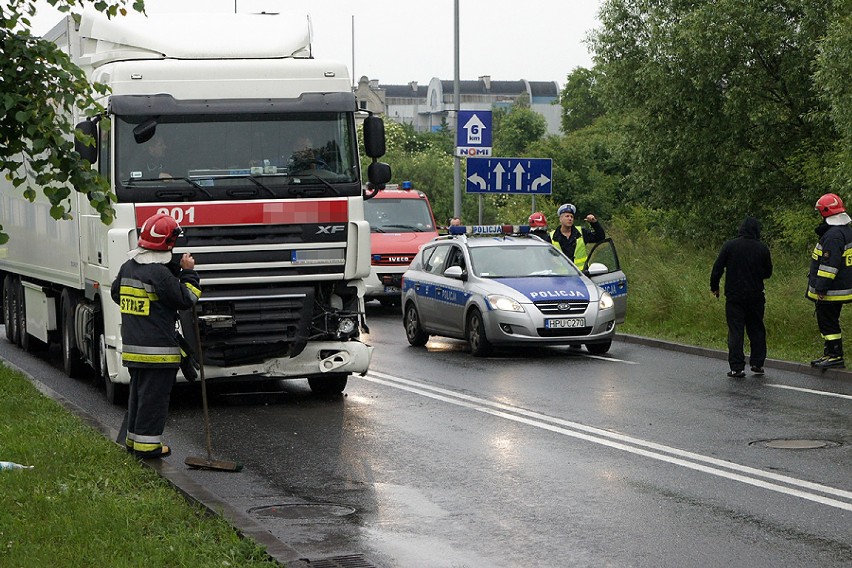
{"points": [[564, 323], [391, 290]]}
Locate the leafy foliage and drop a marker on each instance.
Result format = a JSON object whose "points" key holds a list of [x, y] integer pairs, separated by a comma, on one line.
{"points": [[718, 104], [580, 102], [36, 131]]}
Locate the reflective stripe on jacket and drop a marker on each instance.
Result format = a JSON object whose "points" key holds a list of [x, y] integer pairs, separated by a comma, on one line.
{"points": [[830, 273], [574, 247], [149, 297]]}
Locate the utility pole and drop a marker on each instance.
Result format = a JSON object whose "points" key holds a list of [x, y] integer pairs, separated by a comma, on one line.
{"points": [[457, 196]]}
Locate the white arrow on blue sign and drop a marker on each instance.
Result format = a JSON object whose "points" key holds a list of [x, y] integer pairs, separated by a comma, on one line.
{"points": [[474, 129], [510, 175]]}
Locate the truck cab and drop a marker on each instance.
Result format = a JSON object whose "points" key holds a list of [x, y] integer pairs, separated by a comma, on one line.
{"points": [[401, 221]]}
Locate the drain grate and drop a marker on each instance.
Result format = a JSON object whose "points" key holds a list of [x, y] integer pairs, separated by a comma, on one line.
{"points": [[796, 444], [347, 561]]}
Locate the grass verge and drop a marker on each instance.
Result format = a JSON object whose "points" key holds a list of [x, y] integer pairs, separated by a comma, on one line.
{"points": [[87, 503]]}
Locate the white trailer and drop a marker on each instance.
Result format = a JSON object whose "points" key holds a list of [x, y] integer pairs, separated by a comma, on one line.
{"points": [[258, 162]]}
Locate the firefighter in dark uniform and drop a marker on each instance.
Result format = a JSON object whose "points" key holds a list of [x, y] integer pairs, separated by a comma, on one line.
{"points": [[830, 277], [149, 295], [571, 240]]}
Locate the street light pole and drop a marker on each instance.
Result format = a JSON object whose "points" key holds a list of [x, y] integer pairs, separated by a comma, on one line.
{"points": [[457, 196]]}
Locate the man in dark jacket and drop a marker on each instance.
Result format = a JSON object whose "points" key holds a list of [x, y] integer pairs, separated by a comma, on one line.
{"points": [[149, 296], [746, 263], [830, 277]]}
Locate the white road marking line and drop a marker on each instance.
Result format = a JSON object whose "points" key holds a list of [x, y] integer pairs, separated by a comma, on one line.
{"points": [[811, 391], [609, 359], [599, 436]]}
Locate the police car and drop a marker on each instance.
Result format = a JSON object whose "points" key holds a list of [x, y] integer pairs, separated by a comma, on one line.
{"points": [[499, 285]]}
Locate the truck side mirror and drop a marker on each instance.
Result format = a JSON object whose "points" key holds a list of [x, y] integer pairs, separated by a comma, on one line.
{"points": [[86, 151], [374, 137]]}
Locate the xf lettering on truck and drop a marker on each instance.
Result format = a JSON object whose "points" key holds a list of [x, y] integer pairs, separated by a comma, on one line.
{"points": [[329, 229]]}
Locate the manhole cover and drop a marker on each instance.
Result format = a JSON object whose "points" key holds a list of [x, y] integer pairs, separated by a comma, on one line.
{"points": [[302, 511], [797, 444]]}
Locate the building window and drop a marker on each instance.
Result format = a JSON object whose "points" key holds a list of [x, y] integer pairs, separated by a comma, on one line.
{"points": [[362, 105]]}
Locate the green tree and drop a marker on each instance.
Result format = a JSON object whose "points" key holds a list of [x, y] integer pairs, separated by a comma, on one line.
{"points": [[40, 87], [580, 103], [719, 106], [515, 129]]}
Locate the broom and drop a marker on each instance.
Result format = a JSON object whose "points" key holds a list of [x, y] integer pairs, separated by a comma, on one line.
{"points": [[197, 462]]}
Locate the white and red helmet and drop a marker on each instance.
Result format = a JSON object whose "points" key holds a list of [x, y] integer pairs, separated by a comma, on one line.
{"points": [[538, 219], [159, 232], [829, 204]]}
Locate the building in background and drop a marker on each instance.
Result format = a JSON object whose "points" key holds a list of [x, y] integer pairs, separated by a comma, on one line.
{"points": [[427, 107]]}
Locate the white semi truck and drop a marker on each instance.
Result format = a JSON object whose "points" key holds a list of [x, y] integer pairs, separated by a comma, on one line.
{"points": [[227, 123]]}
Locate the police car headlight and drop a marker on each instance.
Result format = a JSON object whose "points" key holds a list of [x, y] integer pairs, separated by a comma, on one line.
{"points": [[504, 303], [605, 302]]}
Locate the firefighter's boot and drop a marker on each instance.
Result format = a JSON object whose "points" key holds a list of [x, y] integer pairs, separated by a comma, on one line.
{"points": [[833, 355]]}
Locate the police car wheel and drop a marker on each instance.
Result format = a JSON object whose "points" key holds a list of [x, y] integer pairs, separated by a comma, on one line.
{"points": [[479, 344], [599, 348], [413, 332]]}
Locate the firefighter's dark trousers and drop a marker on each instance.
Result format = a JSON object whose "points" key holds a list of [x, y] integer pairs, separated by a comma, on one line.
{"points": [[828, 320], [746, 316], [148, 408]]}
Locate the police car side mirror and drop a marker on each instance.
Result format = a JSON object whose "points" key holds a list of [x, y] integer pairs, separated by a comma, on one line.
{"points": [[454, 272], [596, 269]]}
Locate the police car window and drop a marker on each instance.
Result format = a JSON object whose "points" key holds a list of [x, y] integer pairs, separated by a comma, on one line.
{"points": [[435, 264], [456, 258], [515, 261]]}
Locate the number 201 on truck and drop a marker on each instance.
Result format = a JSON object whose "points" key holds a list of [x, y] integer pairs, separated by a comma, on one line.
{"points": [[228, 124]]}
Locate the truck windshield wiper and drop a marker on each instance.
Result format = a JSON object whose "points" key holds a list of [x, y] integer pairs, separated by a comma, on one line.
{"points": [[318, 178], [164, 182], [412, 227]]}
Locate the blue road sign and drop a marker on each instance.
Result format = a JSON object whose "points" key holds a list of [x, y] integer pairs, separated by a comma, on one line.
{"points": [[473, 129], [510, 175]]}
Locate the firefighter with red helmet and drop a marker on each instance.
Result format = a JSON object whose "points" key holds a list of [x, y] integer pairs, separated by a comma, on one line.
{"points": [[538, 226], [830, 276], [149, 295]]}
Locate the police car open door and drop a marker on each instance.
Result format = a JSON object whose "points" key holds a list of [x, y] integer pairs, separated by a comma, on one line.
{"points": [[613, 280]]}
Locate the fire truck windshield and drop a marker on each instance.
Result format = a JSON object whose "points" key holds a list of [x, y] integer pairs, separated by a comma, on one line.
{"points": [[235, 156]]}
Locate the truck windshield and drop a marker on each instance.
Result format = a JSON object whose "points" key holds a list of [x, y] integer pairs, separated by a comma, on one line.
{"points": [[236, 156], [390, 215]]}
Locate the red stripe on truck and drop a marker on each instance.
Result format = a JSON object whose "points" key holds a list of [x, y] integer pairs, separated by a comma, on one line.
{"points": [[250, 212]]}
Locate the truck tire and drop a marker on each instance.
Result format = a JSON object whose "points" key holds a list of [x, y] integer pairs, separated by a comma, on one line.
{"points": [[10, 308], [116, 393], [329, 385], [72, 360]]}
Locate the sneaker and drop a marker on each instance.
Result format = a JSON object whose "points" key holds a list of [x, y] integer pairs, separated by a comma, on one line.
{"points": [[830, 361], [736, 374], [757, 370]]}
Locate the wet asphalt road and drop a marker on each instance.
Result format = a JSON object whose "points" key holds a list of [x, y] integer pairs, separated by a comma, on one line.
{"points": [[535, 457]]}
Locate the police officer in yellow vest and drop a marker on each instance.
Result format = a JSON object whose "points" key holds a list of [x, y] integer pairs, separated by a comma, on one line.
{"points": [[571, 240], [149, 295]]}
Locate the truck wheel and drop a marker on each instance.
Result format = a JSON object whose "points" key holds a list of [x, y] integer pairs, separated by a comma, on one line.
{"points": [[116, 393], [413, 331], [479, 344], [598, 348], [328, 385], [72, 361], [10, 308]]}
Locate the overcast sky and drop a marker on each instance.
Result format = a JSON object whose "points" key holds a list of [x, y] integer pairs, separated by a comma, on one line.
{"points": [[397, 41]]}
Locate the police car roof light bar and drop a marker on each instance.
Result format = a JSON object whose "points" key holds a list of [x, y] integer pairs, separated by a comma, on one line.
{"points": [[489, 230]]}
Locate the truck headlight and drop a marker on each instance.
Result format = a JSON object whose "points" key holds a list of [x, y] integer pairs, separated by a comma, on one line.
{"points": [[503, 303], [345, 327], [605, 302]]}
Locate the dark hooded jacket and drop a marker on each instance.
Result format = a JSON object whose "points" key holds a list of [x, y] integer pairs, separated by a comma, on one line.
{"points": [[746, 263]]}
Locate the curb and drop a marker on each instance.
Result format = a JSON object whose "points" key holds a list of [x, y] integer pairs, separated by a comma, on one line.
{"points": [[801, 368]]}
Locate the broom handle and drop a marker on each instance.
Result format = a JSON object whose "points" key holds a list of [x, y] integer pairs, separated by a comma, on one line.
{"points": [[203, 383]]}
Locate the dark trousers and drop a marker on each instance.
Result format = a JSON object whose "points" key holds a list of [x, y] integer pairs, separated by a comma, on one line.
{"points": [[828, 320], [148, 408], [746, 316]]}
